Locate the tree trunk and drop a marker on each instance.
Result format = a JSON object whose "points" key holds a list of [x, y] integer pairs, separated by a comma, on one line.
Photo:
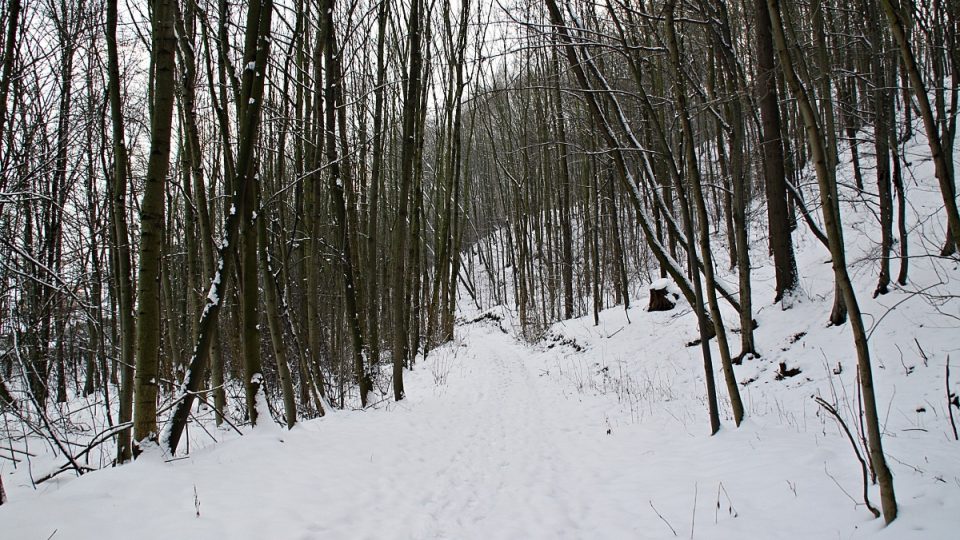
{"points": [[152, 227], [255, 55], [695, 183], [123, 282], [334, 101], [411, 109], [832, 226], [778, 219]]}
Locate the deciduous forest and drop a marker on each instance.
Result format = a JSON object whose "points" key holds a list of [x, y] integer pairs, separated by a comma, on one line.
{"points": [[732, 222]]}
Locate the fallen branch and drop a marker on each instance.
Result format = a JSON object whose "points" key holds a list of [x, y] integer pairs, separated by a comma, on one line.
{"points": [[79, 469], [97, 440], [856, 450]]}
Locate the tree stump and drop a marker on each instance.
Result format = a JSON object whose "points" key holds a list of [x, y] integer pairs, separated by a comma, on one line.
{"points": [[661, 298]]}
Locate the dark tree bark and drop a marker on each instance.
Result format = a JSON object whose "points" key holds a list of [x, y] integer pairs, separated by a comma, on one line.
{"points": [[778, 218], [152, 225], [411, 113], [11, 41]]}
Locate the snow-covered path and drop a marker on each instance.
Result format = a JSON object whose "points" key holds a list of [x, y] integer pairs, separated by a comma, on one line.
{"points": [[499, 453], [500, 457], [494, 452], [496, 441]]}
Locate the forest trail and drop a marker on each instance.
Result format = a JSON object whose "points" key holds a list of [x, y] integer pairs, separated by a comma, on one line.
{"points": [[486, 446], [511, 467], [496, 452]]}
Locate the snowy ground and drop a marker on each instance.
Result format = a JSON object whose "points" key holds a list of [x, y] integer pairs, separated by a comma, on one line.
{"points": [[503, 440]]}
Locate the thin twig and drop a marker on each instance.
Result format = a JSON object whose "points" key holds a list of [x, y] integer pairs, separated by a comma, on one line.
{"points": [[923, 354], [950, 402], [693, 518], [845, 492], [662, 518], [730, 509]]}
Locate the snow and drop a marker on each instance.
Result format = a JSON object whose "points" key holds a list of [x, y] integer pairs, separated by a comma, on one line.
{"points": [[212, 297], [504, 440], [660, 284]]}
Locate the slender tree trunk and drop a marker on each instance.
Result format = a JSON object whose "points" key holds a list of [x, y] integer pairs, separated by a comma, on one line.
{"points": [[695, 183], [839, 313], [152, 227], [411, 108], [334, 101], [376, 175], [883, 124], [901, 211], [10, 45], [566, 219], [249, 290], [778, 219], [739, 182], [832, 226], [274, 321]]}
